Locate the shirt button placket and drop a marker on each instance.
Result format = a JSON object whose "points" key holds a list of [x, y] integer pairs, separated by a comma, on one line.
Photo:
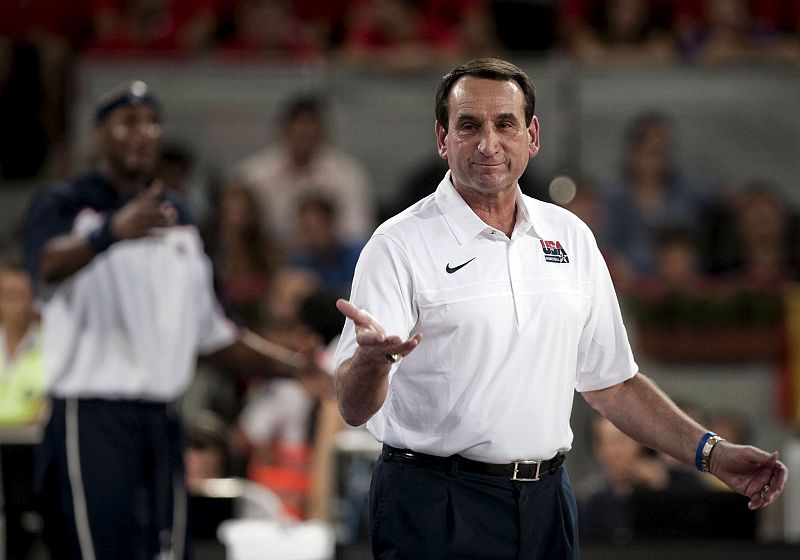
{"points": [[515, 278]]}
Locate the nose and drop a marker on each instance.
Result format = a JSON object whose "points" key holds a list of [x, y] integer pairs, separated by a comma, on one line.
{"points": [[489, 143]]}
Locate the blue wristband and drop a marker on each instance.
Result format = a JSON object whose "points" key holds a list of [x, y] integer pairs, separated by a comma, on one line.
{"points": [[102, 238], [698, 455]]}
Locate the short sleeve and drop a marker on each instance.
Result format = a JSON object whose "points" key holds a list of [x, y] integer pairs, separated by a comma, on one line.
{"points": [[44, 220], [605, 357]]}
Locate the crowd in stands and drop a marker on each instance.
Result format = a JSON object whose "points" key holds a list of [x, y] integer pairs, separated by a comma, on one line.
{"points": [[410, 31], [40, 40]]}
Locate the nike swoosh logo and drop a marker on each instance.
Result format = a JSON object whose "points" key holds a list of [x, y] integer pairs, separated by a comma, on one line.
{"points": [[451, 270]]}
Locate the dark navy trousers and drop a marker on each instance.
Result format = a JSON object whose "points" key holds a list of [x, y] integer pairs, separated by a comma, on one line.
{"points": [[110, 482], [423, 511]]}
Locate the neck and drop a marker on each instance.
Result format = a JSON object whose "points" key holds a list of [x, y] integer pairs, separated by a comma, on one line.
{"points": [[125, 185], [497, 210]]}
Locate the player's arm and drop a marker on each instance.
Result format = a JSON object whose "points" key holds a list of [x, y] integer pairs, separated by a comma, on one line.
{"points": [[641, 410], [64, 255], [252, 354]]}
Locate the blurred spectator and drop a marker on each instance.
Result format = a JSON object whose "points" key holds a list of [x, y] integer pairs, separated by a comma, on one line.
{"points": [[22, 382], [273, 432], [207, 454], [471, 20], [730, 424], [757, 245], [618, 31], [281, 303], [677, 259], [677, 272], [625, 464], [159, 26], [271, 29], [275, 427], [327, 19], [650, 193], [303, 161], [579, 196], [627, 467], [320, 249], [174, 168], [37, 40], [22, 402], [244, 257], [524, 26], [407, 34], [735, 31]]}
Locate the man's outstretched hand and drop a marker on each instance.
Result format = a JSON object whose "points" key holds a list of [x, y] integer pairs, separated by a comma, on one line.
{"points": [[371, 336]]}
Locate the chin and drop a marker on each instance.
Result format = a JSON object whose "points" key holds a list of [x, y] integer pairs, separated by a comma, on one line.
{"points": [[493, 185], [140, 167]]}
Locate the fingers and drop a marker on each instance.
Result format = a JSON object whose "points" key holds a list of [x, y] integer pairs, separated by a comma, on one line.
{"points": [[403, 349], [773, 484], [360, 317], [370, 333], [168, 213], [154, 191]]}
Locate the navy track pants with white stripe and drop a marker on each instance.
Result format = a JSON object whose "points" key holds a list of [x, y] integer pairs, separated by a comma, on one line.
{"points": [[109, 479]]}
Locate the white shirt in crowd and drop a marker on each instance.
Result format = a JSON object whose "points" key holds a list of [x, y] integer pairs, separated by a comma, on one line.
{"points": [[279, 185]]}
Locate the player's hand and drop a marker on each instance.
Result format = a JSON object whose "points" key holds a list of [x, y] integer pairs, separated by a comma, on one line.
{"points": [[372, 338], [750, 471], [142, 214]]}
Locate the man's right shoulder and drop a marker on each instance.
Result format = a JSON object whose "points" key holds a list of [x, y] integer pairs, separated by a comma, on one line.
{"points": [[63, 194], [65, 199], [416, 218]]}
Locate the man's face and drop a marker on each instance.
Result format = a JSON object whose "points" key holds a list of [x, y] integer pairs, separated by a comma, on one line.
{"points": [[129, 139], [303, 136], [487, 144]]}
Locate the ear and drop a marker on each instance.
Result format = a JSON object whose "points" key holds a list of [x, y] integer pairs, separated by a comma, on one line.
{"points": [[533, 137], [441, 136]]}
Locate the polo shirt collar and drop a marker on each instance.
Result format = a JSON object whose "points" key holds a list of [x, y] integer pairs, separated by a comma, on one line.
{"points": [[463, 222]]}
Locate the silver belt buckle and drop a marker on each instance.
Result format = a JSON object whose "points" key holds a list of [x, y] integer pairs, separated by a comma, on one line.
{"points": [[514, 476]]}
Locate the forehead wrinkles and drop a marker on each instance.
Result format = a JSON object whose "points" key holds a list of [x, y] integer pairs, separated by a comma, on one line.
{"points": [[484, 97]]}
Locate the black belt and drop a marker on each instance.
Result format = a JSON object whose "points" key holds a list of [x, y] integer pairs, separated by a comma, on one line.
{"points": [[518, 471]]}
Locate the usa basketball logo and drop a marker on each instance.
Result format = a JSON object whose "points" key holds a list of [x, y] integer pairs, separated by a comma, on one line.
{"points": [[554, 252]]}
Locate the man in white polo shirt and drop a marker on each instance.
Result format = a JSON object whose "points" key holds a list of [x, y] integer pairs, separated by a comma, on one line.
{"points": [[127, 305], [474, 316]]}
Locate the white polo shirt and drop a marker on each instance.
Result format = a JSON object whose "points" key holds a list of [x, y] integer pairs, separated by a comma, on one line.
{"points": [[511, 327]]}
